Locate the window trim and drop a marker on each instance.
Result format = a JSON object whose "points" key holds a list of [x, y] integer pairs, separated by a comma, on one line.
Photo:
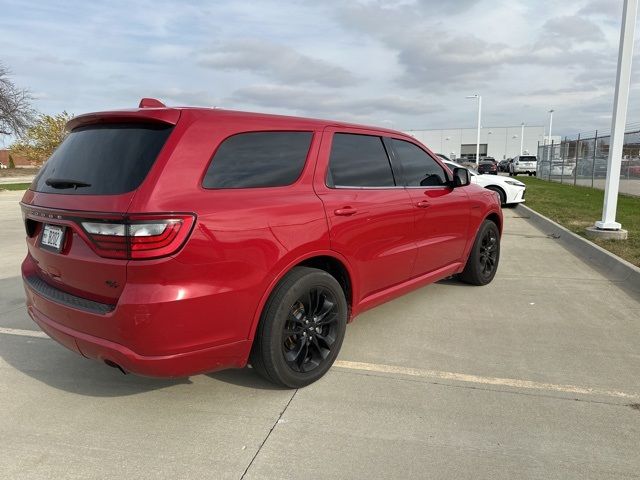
{"points": [[385, 147], [217, 148]]}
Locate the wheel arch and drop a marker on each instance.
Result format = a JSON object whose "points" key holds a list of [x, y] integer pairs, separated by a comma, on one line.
{"points": [[495, 218], [329, 261], [500, 189]]}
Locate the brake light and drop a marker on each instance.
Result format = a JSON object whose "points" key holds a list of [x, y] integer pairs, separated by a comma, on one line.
{"points": [[139, 237]]}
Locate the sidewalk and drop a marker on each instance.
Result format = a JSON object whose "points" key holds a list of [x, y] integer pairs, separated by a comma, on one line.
{"points": [[17, 179]]}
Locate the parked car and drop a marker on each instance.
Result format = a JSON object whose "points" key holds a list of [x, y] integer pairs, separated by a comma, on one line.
{"points": [[593, 166], [488, 167], [503, 165], [557, 169], [510, 191], [220, 238], [2, 165], [523, 164]]}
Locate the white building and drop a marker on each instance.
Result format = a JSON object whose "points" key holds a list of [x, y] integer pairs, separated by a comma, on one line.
{"points": [[496, 142]]}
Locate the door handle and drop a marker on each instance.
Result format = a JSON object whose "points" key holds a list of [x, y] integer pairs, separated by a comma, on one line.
{"points": [[345, 212], [423, 204]]}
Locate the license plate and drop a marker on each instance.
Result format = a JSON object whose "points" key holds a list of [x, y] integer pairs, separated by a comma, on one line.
{"points": [[52, 237]]}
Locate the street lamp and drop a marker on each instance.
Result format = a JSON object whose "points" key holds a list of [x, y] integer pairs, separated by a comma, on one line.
{"points": [[521, 137], [550, 127], [479, 97]]}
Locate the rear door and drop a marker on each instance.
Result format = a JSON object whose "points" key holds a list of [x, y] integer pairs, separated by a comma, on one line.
{"points": [[370, 217], [90, 179], [441, 212]]}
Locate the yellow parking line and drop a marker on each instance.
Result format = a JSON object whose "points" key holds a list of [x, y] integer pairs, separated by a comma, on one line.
{"points": [[476, 379]]}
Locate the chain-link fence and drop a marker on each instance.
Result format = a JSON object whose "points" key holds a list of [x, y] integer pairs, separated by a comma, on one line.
{"points": [[583, 160]]}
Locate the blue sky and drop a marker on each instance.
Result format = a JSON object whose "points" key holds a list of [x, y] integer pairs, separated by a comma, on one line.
{"points": [[401, 64]]}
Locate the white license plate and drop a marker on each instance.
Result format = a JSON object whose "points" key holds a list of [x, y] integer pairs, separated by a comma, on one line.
{"points": [[52, 237]]}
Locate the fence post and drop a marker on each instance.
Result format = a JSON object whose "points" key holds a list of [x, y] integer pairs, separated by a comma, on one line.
{"points": [[593, 162], [562, 145], [575, 176]]}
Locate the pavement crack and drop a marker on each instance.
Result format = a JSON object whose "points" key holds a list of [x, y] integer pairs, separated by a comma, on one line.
{"points": [[269, 434]]}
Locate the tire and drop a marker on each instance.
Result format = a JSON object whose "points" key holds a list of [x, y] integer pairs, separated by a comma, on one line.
{"points": [[293, 348], [483, 251], [500, 192]]}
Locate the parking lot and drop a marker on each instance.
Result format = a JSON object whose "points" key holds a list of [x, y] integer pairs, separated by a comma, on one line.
{"points": [[536, 375]]}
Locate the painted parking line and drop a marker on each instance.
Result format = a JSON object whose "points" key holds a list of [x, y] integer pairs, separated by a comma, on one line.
{"points": [[476, 379], [23, 333], [431, 374]]}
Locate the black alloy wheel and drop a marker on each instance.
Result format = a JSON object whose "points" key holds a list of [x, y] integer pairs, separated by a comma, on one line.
{"points": [[483, 260], [311, 329], [488, 257], [301, 328]]}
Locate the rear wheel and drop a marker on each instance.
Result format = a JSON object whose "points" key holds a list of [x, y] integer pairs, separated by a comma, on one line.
{"points": [[301, 329], [484, 257]]}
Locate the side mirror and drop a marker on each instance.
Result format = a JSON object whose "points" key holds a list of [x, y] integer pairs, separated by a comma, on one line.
{"points": [[461, 177]]}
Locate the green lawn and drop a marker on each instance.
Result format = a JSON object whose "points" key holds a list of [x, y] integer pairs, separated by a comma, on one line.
{"points": [[576, 208], [14, 186]]}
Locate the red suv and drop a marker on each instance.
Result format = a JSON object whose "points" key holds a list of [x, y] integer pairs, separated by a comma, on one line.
{"points": [[175, 241]]}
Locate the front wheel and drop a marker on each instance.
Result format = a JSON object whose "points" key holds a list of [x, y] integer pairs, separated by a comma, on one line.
{"points": [[483, 260], [301, 328]]}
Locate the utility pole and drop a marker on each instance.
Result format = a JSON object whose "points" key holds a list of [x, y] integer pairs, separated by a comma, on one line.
{"points": [[521, 138]]}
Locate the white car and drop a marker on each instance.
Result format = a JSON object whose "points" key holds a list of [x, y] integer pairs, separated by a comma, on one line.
{"points": [[523, 164], [510, 190]]}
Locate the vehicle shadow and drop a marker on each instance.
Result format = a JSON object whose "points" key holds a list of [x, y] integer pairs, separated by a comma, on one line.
{"points": [[452, 281], [45, 361]]}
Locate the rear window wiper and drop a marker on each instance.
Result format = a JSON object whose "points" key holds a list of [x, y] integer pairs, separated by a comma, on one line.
{"points": [[66, 183]]}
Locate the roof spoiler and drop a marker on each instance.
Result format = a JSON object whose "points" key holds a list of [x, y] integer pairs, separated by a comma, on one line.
{"points": [[150, 110]]}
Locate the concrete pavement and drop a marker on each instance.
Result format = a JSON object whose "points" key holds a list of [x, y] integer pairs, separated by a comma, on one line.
{"points": [[532, 376]]}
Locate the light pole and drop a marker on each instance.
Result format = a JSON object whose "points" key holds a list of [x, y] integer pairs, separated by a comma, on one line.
{"points": [[479, 97], [521, 138], [550, 128], [618, 121]]}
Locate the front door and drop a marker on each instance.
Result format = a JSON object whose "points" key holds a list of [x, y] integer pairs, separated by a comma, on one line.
{"points": [[441, 211]]}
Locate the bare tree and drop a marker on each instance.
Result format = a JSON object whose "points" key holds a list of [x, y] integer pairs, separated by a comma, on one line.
{"points": [[16, 113]]}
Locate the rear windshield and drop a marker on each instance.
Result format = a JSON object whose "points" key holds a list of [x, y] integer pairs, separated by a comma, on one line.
{"points": [[105, 159], [528, 159]]}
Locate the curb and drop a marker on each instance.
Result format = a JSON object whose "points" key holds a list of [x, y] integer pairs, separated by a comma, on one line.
{"points": [[617, 270]]}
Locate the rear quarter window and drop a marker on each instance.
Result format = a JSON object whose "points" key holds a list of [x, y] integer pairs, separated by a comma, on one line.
{"points": [[258, 159], [105, 159]]}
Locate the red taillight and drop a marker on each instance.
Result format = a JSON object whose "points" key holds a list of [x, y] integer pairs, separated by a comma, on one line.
{"points": [[139, 236]]}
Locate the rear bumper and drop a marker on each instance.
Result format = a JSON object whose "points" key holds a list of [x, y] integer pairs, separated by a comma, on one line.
{"points": [[177, 365]]}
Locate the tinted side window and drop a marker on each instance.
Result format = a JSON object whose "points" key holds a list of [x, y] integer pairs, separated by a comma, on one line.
{"points": [[258, 159], [359, 161], [420, 170]]}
